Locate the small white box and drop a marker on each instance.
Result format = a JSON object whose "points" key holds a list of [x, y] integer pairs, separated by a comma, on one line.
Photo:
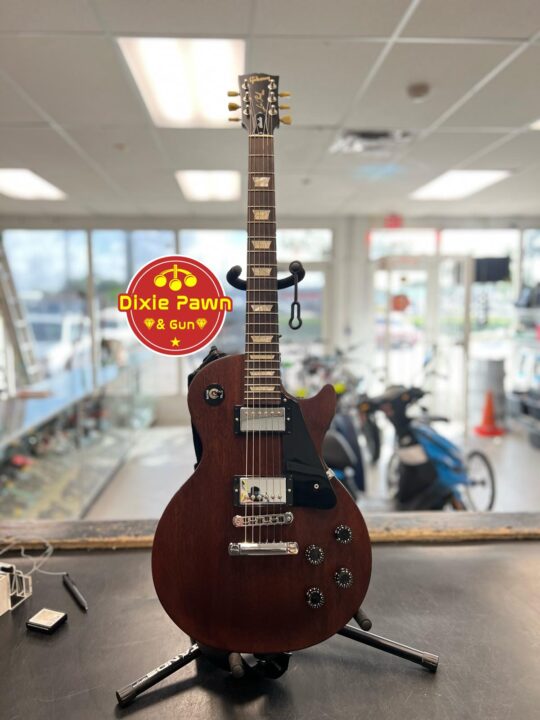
{"points": [[5, 594]]}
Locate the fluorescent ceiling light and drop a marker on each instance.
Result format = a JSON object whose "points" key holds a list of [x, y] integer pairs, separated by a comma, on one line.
{"points": [[24, 184], [535, 125], [457, 184], [207, 185], [184, 82]]}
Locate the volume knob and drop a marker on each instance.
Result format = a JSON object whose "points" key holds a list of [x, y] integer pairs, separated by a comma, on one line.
{"points": [[314, 554], [315, 598], [343, 578], [343, 534]]}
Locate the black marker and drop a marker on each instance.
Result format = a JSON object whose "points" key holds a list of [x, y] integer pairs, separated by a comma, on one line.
{"points": [[74, 592]]}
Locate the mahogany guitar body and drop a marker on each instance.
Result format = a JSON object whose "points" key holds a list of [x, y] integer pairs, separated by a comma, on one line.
{"points": [[246, 603]]}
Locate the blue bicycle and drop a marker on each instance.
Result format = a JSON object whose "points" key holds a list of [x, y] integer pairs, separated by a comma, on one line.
{"points": [[427, 471]]}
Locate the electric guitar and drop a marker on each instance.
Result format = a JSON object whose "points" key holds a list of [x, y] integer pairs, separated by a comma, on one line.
{"points": [[262, 550]]}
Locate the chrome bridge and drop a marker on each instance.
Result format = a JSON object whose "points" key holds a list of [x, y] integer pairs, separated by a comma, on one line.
{"points": [[263, 520], [260, 419], [270, 548]]}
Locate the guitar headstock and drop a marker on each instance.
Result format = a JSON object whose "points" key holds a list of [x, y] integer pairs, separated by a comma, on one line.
{"points": [[259, 108]]}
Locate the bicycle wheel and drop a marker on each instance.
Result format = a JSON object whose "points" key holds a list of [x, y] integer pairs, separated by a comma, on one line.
{"points": [[372, 434], [392, 472], [480, 490]]}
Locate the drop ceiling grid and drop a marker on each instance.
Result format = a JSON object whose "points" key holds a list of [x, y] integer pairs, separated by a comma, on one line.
{"points": [[353, 65]]}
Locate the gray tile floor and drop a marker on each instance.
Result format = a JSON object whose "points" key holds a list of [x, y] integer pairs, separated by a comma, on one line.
{"points": [[163, 458]]}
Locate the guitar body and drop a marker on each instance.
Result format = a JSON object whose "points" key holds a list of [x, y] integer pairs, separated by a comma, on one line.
{"points": [[257, 603]]}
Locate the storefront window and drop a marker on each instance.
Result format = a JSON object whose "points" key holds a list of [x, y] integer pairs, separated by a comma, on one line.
{"points": [[50, 272], [402, 241]]}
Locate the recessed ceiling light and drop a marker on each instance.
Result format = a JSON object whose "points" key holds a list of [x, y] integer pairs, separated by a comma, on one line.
{"points": [[457, 184], [184, 82], [23, 184], [535, 125], [207, 185]]}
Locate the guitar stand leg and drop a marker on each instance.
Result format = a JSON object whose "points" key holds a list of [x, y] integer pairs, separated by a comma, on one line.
{"points": [[270, 666], [420, 657], [127, 694]]}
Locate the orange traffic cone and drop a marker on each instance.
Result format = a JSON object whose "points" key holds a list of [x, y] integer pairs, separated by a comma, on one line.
{"points": [[487, 427]]}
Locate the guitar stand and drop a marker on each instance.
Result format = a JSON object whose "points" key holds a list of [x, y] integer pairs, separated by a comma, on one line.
{"points": [[270, 666], [297, 275]]}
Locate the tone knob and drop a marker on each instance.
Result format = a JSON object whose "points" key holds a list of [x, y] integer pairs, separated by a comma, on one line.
{"points": [[315, 598], [314, 554], [343, 534], [343, 578]]}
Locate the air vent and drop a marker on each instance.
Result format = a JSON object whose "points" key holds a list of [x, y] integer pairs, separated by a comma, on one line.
{"points": [[380, 143]]}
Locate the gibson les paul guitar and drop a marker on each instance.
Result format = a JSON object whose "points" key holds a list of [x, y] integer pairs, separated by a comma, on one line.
{"points": [[262, 550]]}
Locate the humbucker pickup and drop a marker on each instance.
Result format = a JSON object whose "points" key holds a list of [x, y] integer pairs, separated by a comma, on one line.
{"points": [[260, 419], [252, 490]]}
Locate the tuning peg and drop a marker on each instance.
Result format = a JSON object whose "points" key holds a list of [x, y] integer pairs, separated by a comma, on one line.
{"points": [[234, 119], [284, 107], [233, 93], [284, 94], [287, 119], [233, 106]]}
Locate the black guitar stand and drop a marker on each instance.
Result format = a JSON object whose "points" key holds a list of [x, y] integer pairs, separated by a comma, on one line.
{"points": [[271, 666], [297, 275]]}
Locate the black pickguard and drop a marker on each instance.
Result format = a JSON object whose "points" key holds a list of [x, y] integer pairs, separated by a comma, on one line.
{"points": [[311, 486]]}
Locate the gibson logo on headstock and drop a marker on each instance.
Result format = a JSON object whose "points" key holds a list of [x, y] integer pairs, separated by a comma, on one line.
{"points": [[258, 78]]}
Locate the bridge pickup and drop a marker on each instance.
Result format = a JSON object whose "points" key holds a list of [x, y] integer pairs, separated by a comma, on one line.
{"points": [[260, 491], [262, 520], [270, 548], [260, 419]]}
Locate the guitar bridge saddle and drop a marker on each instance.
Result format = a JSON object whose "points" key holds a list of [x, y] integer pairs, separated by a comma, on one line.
{"points": [[262, 520]]}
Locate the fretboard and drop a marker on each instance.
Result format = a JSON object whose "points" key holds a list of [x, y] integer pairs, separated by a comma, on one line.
{"points": [[262, 367]]}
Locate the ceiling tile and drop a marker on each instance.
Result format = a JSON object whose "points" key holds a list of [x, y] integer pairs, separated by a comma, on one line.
{"points": [[119, 149], [13, 109], [200, 149], [169, 17], [300, 148], [442, 150], [475, 19], [519, 152], [28, 16], [323, 76], [451, 70], [512, 97], [43, 151], [77, 80], [320, 17]]}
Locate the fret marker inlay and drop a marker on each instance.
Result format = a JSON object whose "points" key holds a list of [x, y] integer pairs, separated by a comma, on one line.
{"points": [[262, 373], [261, 182], [262, 308], [261, 339], [262, 271], [261, 356], [261, 244], [261, 214], [262, 388]]}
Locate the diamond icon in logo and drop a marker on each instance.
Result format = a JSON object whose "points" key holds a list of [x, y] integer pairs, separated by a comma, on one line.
{"points": [[201, 322], [149, 322]]}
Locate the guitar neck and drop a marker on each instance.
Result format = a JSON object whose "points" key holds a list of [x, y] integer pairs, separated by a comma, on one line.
{"points": [[263, 380]]}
